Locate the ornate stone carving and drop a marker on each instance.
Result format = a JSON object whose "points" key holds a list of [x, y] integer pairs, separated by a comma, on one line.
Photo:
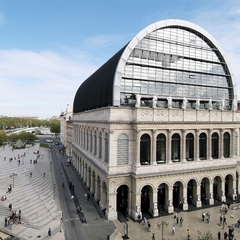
{"points": [[146, 113], [177, 114], [162, 113]]}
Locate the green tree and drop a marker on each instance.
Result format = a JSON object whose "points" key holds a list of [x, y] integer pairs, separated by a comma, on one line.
{"points": [[3, 136], [205, 236], [54, 126]]}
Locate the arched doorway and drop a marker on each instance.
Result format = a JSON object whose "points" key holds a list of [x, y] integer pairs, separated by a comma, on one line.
{"points": [[192, 192], [217, 189], [122, 200], [162, 197], [205, 191], [178, 195], [229, 186], [146, 195]]}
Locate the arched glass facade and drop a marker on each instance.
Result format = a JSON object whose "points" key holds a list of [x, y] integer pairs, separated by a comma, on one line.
{"points": [[179, 62]]}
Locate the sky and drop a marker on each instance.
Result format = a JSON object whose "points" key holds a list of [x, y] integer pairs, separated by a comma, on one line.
{"points": [[49, 47]]}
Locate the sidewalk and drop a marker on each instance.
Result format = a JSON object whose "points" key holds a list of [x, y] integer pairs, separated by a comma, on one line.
{"points": [[32, 195]]}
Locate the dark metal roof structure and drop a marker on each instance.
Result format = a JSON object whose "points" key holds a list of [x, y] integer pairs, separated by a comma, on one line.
{"points": [[97, 90]]}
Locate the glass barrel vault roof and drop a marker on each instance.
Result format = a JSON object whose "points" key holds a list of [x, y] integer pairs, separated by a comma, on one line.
{"points": [[171, 58]]}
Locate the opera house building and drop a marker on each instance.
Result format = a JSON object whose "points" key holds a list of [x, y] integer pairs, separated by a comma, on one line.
{"points": [[156, 127]]}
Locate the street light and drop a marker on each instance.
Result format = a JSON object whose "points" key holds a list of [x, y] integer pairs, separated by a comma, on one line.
{"points": [[162, 224], [223, 211], [12, 176]]}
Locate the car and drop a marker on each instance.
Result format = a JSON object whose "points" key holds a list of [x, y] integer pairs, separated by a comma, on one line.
{"points": [[69, 160], [49, 140]]}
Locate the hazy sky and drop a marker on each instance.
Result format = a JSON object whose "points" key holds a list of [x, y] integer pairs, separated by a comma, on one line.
{"points": [[49, 47]]}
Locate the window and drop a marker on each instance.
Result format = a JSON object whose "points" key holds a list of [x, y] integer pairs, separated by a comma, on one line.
{"points": [[95, 143], [226, 145], [215, 143], [145, 147], [106, 159], [202, 146], [176, 148], [100, 146], [189, 147], [161, 149], [122, 150]]}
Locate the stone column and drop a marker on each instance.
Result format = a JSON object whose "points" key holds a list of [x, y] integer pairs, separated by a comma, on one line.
{"points": [[170, 201], [223, 193], [185, 203], [154, 205], [221, 147], [111, 210], [196, 145], [232, 143], [211, 200], [183, 146], [137, 155], [209, 144], [154, 149], [169, 148], [198, 202]]}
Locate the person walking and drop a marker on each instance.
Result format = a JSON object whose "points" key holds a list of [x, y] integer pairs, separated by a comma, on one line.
{"points": [[177, 220], [219, 236], [149, 227], [10, 207], [49, 232], [181, 221], [108, 236], [203, 216], [225, 236], [188, 234], [63, 186], [173, 230], [153, 236]]}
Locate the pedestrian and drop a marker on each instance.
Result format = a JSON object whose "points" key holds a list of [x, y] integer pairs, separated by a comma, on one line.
{"points": [[203, 216], [10, 225], [10, 207], [108, 236], [30, 174], [139, 218], [153, 236], [224, 220], [238, 223], [181, 221], [225, 236], [177, 220], [173, 230], [188, 234], [221, 220], [144, 220], [219, 236], [174, 215], [72, 198], [49, 232], [44, 174], [149, 227], [62, 185]]}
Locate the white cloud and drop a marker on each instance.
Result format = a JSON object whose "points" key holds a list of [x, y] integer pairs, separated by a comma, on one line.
{"points": [[40, 82]]}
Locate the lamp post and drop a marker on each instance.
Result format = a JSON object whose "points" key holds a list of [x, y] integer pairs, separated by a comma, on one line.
{"points": [[162, 224], [12, 176], [223, 211]]}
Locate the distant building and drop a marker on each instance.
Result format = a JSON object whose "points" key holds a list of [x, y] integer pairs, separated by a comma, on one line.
{"points": [[156, 127], [66, 129]]}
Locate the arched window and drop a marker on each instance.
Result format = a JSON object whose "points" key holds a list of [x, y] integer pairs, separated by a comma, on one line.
{"points": [[202, 146], [122, 149], [95, 143], [226, 145], [100, 145], [91, 141], [106, 159], [145, 147], [161, 149], [175, 147], [189, 147], [87, 140], [215, 144]]}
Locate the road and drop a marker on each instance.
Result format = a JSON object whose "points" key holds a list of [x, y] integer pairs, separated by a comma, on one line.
{"points": [[72, 225]]}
